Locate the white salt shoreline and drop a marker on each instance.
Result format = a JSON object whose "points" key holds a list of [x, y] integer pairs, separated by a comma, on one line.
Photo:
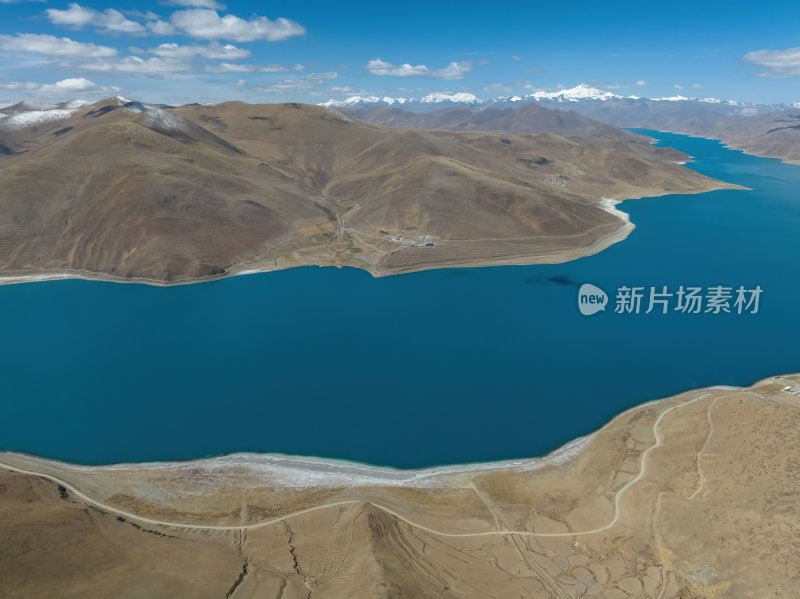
{"points": [[610, 206], [281, 470], [37, 278]]}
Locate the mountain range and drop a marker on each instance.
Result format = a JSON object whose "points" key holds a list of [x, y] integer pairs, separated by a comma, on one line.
{"points": [[572, 97], [125, 190], [760, 129]]}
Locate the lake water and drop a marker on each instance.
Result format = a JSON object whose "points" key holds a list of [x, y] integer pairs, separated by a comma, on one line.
{"points": [[447, 366]]}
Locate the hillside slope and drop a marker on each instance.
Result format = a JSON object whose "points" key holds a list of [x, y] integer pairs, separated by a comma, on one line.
{"points": [[124, 191]]}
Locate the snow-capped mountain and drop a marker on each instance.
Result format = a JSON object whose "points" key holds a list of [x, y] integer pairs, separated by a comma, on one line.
{"points": [[433, 98], [576, 94], [439, 98], [582, 94], [433, 101]]}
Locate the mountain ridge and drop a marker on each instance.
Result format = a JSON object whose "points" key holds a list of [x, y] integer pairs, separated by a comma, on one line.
{"points": [[580, 93], [177, 195]]}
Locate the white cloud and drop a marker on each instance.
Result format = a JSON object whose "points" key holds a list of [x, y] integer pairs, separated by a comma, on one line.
{"points": [[779, 63], [73, 85], [49, 45], [74, 16], [678, 86], [517, 58], [160, 27], [207, 24], [497, 87], [108, 21], [455, 70], [133, 64], [227, 67], [279, 68], [198, 3], [697, 85], [169, 58], [349, 91], [322, 76], [308, 83], [614, 84], [213, 51], [286, 87], [146, 16]]}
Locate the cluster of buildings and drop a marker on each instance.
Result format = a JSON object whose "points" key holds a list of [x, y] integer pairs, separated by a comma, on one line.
{"points": [[423, 241]]}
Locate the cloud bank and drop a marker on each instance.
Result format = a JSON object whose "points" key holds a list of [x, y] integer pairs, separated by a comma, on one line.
{"points": [[778, 63]]}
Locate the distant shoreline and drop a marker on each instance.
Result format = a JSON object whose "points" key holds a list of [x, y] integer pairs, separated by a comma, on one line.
{"points": [[727, 145]]}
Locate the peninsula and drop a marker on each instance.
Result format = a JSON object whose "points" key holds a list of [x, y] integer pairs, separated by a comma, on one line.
{"points": [[124, 191]]}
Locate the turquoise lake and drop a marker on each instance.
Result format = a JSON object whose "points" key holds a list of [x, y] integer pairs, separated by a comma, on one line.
{"points": [[438, 367]]}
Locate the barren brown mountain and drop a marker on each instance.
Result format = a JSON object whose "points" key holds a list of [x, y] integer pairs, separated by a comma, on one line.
{"points": [[758, 130], [694, 496], [201, 192], [773, 135], [526, 119]]}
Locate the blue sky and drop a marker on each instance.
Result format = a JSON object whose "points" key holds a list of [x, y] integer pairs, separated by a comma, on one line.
{"points": [[179, 51]]}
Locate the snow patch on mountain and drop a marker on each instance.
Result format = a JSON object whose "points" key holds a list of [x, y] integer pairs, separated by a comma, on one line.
{"points": [[36, 105], [34, 118], [76, 104], [136, 107], [165, 122]]}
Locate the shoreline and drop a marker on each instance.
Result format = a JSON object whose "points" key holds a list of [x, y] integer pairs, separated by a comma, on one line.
{"points": [[557, 257], [293, 471], [303, 472], [724, 144]]}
